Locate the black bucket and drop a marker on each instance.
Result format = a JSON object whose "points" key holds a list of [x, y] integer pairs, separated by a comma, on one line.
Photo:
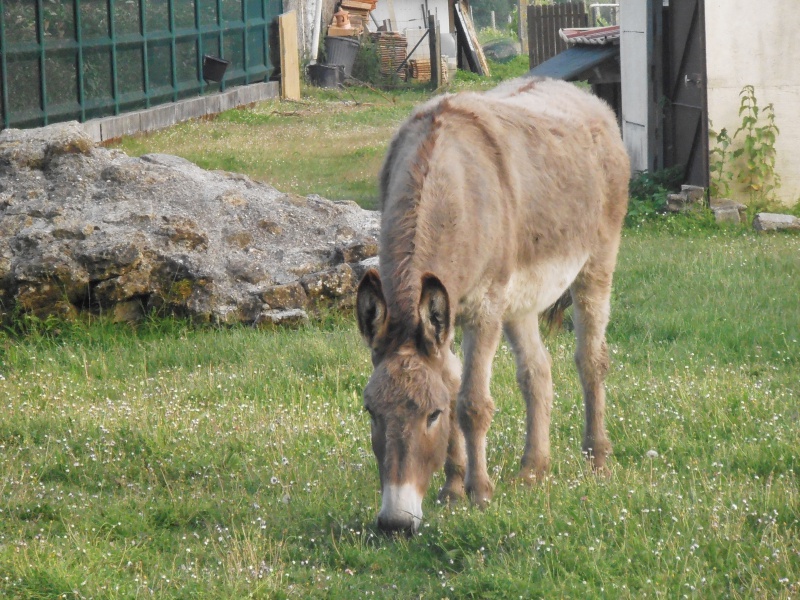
{"points": [[342, 51], [214, 68], [326, 76]]}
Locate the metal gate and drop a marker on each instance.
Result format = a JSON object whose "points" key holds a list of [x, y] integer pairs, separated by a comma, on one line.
{"points": [[79, 59], [686, 109]]}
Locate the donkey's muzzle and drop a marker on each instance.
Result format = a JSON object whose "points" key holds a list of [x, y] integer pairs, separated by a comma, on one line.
{"points": [[394, 524], [401, 509]]}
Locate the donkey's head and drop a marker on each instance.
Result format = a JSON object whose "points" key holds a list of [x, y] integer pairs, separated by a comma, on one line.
{"points": [[409, 396]]}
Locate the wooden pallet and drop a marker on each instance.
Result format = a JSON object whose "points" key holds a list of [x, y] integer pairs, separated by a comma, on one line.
{"points": [[419, 69], [392, 48]]}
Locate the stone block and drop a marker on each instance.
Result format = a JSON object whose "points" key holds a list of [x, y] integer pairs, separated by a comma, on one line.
{"points": [[728, 211], [694, 193], [775, 222], [677, 203], [291, 317]]}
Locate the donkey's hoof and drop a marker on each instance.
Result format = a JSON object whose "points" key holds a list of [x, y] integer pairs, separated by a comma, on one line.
{"points": [[532, 477], [480, 495], [451, 494], [597, 453]]}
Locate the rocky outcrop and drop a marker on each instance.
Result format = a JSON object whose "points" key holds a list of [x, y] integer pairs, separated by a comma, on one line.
{"points": [[85, 228]]}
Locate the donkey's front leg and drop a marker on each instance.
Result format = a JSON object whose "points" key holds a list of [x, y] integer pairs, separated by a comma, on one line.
{"points": [[475, 406], [455, 465]]}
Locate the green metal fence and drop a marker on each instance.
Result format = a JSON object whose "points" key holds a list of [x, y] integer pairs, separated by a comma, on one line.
{"points": [[80, 59]]}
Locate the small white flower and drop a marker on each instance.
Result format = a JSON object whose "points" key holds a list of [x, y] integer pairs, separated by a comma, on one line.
{"points": [[274, 480], [651, 454]]}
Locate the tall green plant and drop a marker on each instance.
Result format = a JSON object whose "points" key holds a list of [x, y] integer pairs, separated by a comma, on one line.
{"points": [[757, 153], [748, 157], [719, 157]]}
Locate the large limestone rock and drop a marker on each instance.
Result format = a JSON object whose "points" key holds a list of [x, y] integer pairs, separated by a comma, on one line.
{"points": [[85, 228]]}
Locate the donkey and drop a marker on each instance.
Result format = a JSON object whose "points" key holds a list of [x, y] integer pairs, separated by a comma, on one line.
{"points": [[495, 206]]}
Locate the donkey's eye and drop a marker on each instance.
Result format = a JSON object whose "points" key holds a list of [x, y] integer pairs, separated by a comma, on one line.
{"points": [[433, 417]]}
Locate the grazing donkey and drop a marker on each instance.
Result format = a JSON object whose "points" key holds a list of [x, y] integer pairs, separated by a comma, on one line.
{"points": [[494, 206]]}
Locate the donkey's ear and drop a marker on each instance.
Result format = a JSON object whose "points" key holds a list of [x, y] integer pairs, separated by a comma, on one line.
{"points": [[434, 314], [371, 307]]}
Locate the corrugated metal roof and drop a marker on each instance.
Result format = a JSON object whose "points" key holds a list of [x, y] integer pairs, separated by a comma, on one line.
{"points": [[575, 61]]}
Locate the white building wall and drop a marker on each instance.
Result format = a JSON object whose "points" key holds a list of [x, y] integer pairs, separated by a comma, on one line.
{"points": [[634, 75], [408, 18], [757, 43]]}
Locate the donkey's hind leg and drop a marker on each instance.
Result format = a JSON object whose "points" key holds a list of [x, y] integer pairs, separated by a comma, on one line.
{"points": [[536, 384], [591, 293]]}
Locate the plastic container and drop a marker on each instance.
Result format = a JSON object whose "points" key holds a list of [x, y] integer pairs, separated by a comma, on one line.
{"points": [[214, 68], [341, 51], [326, 76]]}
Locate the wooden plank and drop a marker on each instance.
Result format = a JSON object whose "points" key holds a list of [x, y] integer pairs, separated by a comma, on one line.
{"points": [[470, 32], [290, 58], [467, 40]]}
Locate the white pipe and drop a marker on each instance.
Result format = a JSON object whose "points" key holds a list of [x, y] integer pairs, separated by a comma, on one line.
{"points": [[316, 31]]}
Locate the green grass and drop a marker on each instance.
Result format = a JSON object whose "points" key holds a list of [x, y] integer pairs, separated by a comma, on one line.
{"points": [[175, 461], [180, 462], [331, 143]]}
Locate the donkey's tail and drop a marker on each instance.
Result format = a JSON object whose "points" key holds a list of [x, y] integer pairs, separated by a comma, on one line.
{"points": [[554, 315]]}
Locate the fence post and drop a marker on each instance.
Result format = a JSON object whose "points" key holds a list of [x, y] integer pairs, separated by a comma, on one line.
{"points": [[221, 40], [41, 58], [4, 71], [435, 51], [522, 26]]}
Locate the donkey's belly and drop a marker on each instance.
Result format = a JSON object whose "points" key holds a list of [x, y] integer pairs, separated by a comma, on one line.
{"points": [[538, 286]]}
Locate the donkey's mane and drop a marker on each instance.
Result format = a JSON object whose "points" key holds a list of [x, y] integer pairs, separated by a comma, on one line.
{"points": [[401, 248], [411, 233]]}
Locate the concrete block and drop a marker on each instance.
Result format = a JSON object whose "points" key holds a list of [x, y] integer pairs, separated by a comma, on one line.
{"points": [[677, 202], [727, 215], [694, 194], [775, 222], [728, 211], [115, 127], [158, 117], [93, 130], [190, 108], [227, 100]]}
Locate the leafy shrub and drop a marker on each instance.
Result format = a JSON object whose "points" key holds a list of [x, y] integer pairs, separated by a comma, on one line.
{"points": [[367, 66], [648, 193]]}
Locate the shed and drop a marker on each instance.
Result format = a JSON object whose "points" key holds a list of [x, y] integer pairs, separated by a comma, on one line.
{"points": [[684, 64]]}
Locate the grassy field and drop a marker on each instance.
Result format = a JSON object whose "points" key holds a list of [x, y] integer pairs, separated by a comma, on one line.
{"points": [[170, 461], [331, 143]]}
